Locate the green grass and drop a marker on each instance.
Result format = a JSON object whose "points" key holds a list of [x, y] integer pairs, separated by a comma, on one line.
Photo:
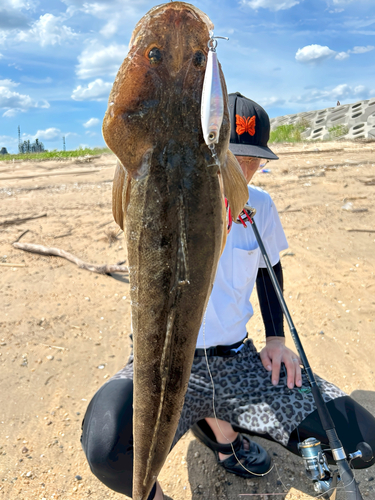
{"points": [[46, 155], [338, 131], [289, 133]]}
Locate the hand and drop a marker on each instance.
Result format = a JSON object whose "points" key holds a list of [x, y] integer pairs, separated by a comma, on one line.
{"points": [[273, 354]]}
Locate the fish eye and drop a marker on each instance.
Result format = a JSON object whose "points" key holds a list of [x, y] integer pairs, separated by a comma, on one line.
{"points": [[155, 56], [199, 59]]}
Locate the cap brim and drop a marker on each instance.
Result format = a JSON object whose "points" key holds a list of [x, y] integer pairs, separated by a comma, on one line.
{"points": [[250, 150]]}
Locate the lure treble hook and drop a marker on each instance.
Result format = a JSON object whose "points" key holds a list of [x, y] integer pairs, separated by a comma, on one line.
{"points": [[212, 42]]}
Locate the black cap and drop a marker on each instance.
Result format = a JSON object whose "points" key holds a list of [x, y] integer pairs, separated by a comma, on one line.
{"points": [[250, 128]]}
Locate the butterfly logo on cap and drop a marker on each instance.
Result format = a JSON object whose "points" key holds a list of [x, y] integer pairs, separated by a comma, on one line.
{"points": [[245, 125]]}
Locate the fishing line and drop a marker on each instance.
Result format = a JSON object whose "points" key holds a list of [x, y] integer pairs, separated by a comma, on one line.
{"points": [[214, 410]]}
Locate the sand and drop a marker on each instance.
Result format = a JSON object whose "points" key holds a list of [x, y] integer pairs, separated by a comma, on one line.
{"points": [[64, 330]]}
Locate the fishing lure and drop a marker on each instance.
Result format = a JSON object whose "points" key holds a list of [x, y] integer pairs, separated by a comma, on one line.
{"points": [[212, 106]]}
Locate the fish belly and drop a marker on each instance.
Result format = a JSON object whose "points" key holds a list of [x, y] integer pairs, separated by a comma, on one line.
{"points": [[174, 236]]}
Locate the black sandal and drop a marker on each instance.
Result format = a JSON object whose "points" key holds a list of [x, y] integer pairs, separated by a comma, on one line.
{"points": [[253, 462]]}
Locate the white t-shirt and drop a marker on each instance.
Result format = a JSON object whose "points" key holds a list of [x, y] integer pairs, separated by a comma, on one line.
{"points": [[229, 308]]}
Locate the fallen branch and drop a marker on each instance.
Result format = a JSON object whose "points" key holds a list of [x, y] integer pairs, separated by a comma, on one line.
{"points": [[52, 174], [20, 236], [370, 182], [288, 252], [63, 235], [9, 264], [106, 223], [20, 221], [361, 230], [56, 347], [104, 269]]}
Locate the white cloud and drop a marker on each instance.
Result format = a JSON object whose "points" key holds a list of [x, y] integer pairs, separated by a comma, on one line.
{"points": [[271, 101], [99, 61], [47, 30], [15, 66], [91, 123], [111, 27], [340, 92], [14, 102], [318, 53], [127, 13], [361, 50], [30, 79], [314, 53], [11, 16], [11, 143], [95, 91], [20, 4], [273, 5], [11, 112], [1, 55], [340, 56], [8, 83], [49, 134]]}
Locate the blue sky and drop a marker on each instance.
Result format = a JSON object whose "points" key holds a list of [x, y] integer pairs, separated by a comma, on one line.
{"points": [[58, 59]]}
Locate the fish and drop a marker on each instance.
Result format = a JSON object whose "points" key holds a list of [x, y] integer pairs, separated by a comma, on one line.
{"points": [[168, 196]]}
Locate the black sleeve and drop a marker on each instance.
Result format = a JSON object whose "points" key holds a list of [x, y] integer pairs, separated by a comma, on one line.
{"points": [[270, 308]]}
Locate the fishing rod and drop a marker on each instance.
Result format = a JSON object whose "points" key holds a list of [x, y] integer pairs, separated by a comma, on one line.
{"points": [[325, 481]]}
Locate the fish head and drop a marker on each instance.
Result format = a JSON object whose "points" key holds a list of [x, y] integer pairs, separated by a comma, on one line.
{"points": [[159, 83]]}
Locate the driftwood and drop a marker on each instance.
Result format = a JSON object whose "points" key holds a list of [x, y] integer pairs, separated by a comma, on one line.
{"points": [[20, 236], [56, 347], [103, 269], [105, 223], [52, 174], [11, 222], [9, 264], [361, 230]]}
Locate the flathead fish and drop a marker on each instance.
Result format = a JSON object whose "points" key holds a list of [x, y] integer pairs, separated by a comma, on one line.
{"points": [[168, 196]]}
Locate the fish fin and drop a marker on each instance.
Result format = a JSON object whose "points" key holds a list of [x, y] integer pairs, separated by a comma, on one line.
{"points": [[235, 185], [224, 215], [120, 194]]}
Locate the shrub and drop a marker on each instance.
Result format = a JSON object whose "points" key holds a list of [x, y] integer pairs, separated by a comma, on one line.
{"points": [[289, 133], [338, 131]]}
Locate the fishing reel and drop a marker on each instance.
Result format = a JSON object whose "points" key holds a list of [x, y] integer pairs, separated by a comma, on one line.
{"points": [[317, 469]]}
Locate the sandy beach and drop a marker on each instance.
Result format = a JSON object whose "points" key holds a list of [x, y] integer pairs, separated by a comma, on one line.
{"points": [[65, 330]]}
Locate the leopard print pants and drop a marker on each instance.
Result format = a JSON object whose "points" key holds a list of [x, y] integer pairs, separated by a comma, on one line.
{"points": [[244, 395]]}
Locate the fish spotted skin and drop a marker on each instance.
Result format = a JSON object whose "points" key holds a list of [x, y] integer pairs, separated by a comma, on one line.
{"points": [[167, 195]]}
